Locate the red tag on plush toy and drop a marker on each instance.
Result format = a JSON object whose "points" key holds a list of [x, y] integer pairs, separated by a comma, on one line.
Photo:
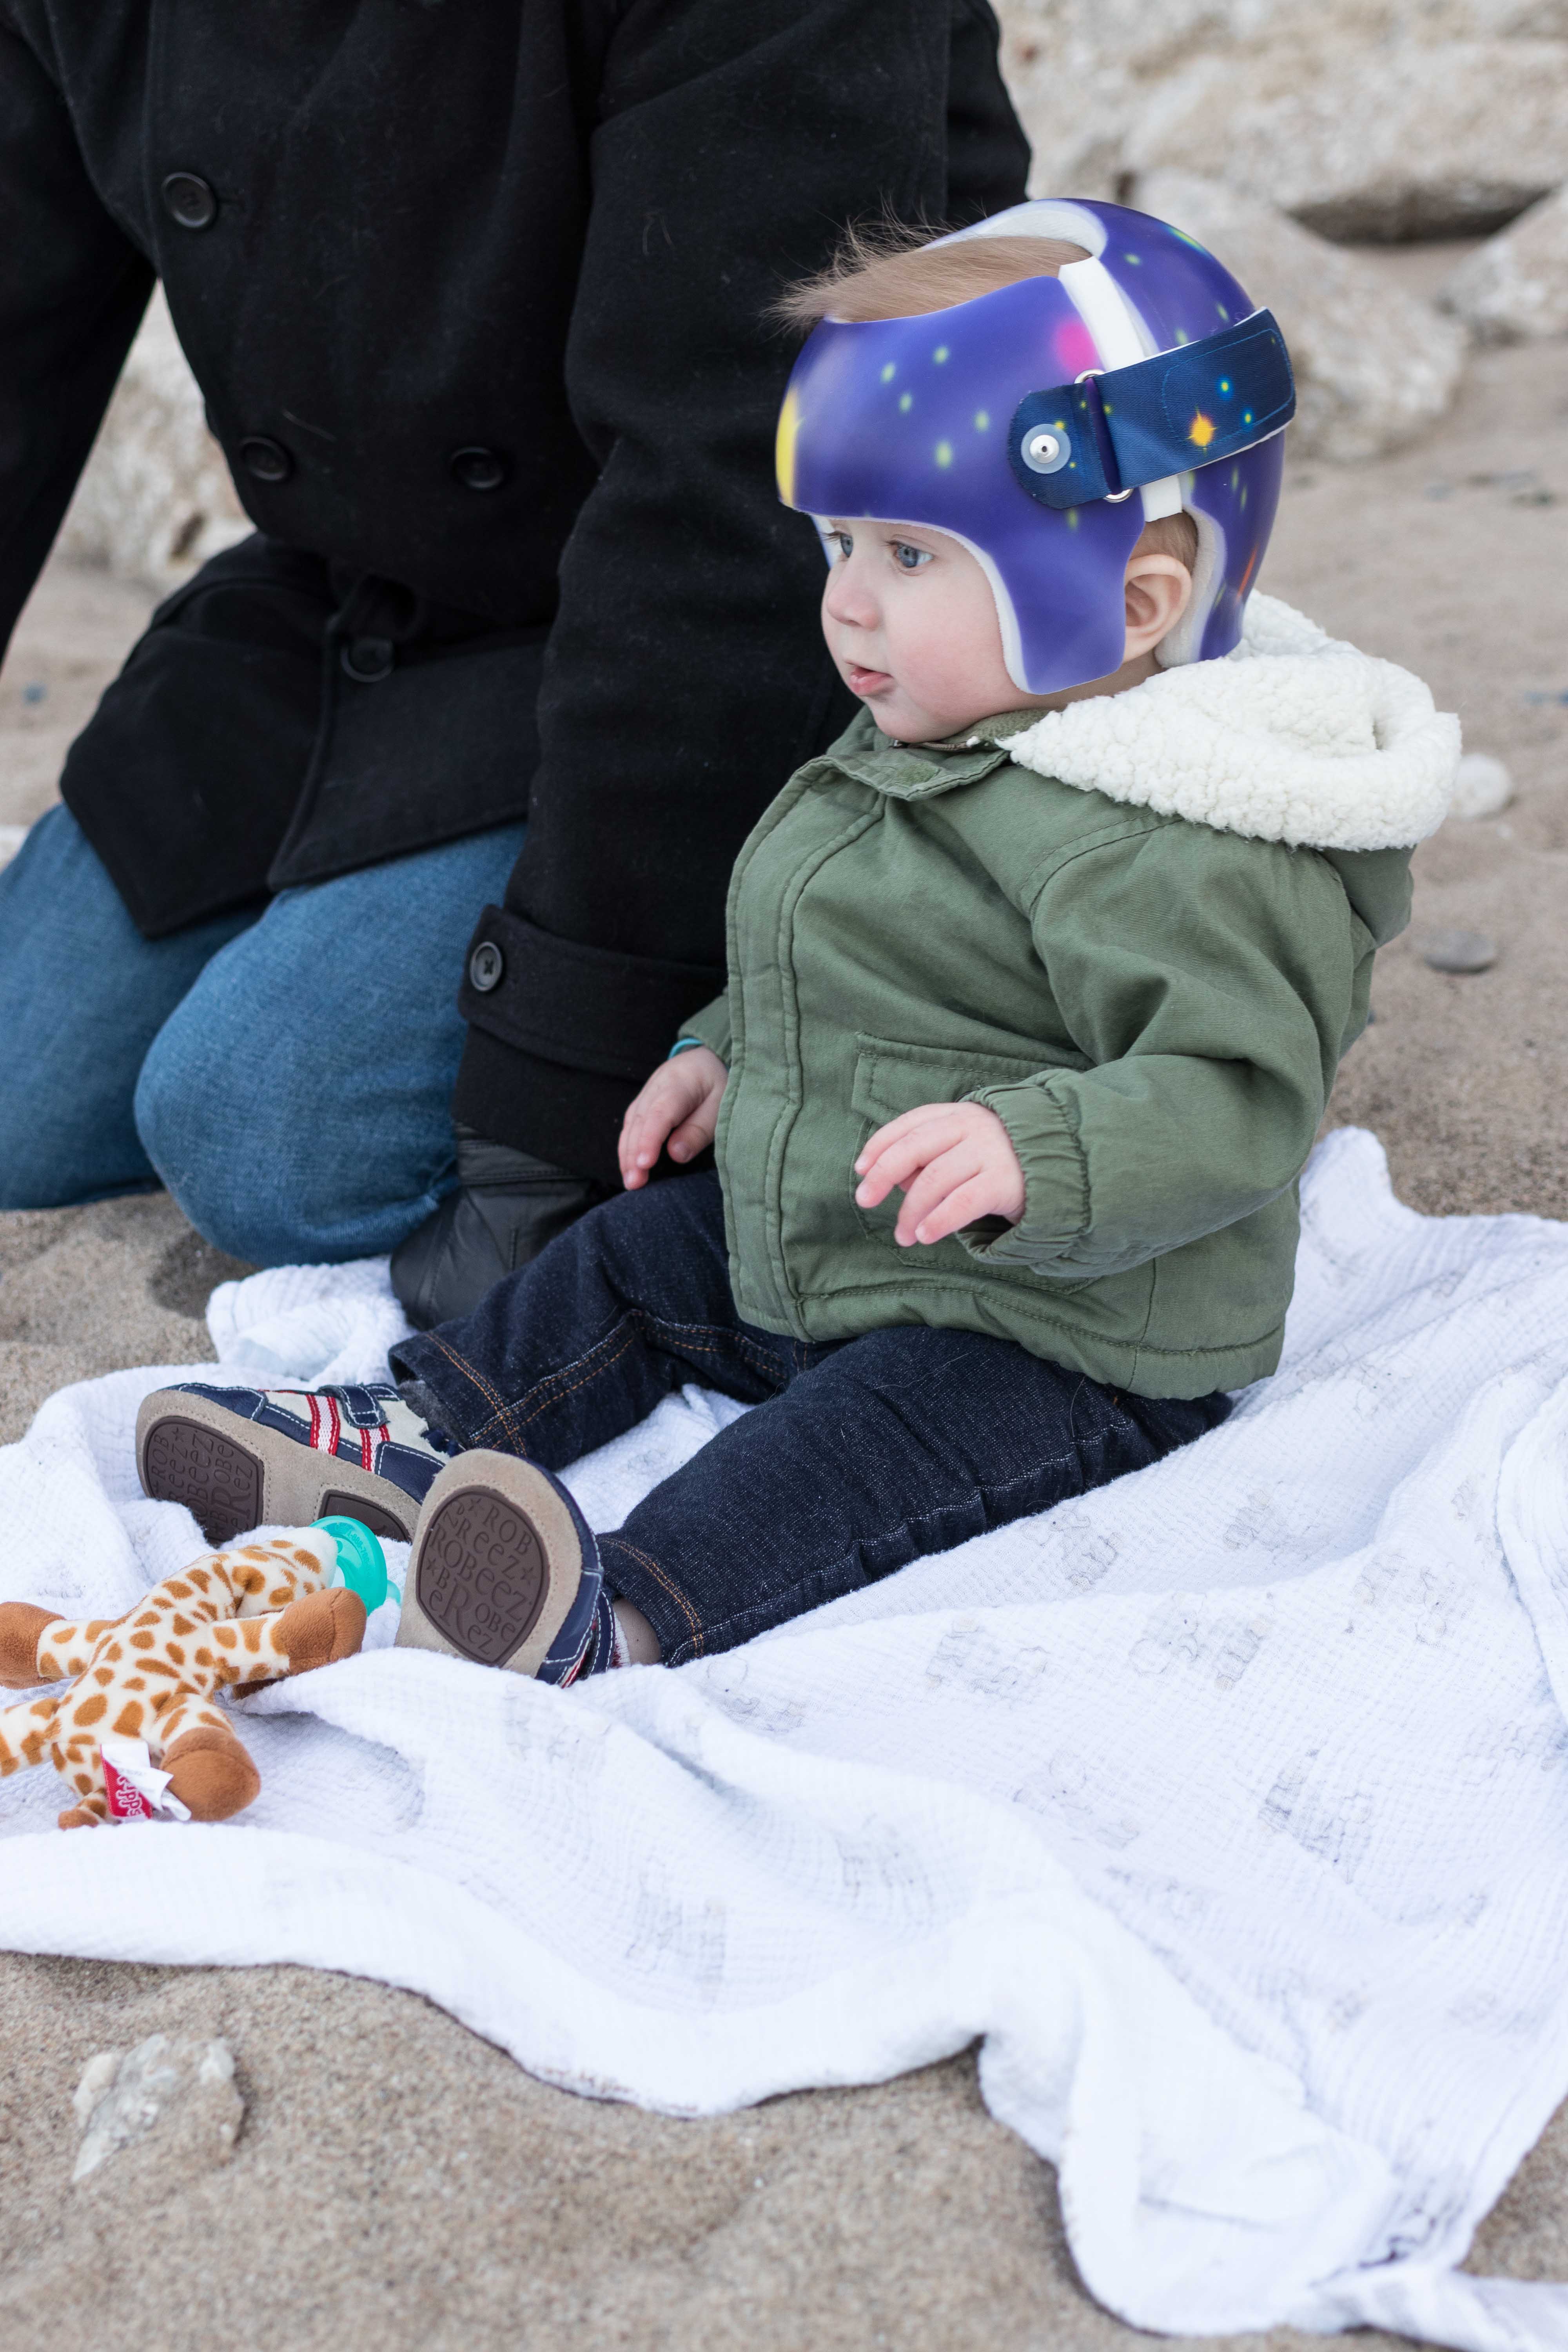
{"points": [[136, 1790], [126, 1802]]}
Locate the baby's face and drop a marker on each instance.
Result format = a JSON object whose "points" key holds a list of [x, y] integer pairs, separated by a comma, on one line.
{"points": [[910, 621]]}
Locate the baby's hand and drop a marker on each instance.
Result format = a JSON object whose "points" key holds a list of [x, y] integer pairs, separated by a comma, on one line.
{"points": [[968, 1169], [683, 1095]]}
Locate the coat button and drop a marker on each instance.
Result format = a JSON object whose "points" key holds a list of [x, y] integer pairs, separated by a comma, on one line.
{"points": [[478, 469], [267, 460], [486, 966], [368, 658], [189, 200]]}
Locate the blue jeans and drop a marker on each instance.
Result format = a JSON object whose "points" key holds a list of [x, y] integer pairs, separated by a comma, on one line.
{"points": [[863, 1454], [288, 1074]]}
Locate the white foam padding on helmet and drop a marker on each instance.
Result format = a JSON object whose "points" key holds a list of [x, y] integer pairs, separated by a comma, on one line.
{"points": [[1184, 642], [1122, 340]]}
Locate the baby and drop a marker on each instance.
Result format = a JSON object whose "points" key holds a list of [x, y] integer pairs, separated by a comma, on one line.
{"points": [[1038, 984]]}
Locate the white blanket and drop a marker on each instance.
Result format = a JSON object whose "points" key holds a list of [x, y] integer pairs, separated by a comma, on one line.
{"points": [[1228, 1806]]}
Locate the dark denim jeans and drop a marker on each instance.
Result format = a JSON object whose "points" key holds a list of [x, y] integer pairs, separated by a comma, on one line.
{"points": [[864, 1453]]}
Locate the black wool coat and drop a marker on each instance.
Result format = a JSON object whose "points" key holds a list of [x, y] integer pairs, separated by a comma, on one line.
{"points": [[476, 293]]}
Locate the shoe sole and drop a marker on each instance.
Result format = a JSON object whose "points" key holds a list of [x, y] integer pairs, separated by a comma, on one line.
{"points": [[233, 1475], [496, 1565]]}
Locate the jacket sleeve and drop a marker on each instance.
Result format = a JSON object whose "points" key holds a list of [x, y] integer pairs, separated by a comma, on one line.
{"points": [[72, 289], [1207, 982], [686, 675], [712, 1027]]}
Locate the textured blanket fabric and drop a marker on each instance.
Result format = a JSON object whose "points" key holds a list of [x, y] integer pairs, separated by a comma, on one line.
{"points": [[1228, 1807]]}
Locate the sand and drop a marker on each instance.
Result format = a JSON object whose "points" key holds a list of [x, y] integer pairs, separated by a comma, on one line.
{"points": [[399, 2183]]}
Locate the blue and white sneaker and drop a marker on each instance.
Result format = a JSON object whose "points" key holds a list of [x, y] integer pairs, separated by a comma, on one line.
{"points": [[241, 1458], [505, 1572]]}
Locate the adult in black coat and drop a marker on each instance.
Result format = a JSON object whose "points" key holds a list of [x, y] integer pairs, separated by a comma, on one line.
{"points": [[477, 297]]}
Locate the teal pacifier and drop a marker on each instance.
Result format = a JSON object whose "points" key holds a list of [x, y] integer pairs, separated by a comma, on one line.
{"points": [[361, 1563]]}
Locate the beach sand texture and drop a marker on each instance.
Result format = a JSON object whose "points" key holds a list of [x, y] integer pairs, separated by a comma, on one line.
{"points": [[398, 2183]]}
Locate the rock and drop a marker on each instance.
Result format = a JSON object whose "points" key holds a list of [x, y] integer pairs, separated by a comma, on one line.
{"points": [[1458, 952], [1373, 365], [1076, 92], [183, 2090], [1148, 36], [1482, 787], [1368, 122], [1515, 289], [155, 499], [1376, 142]]}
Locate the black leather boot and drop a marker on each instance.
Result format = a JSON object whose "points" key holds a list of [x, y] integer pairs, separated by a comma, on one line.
{"points": [[506, 1207]]}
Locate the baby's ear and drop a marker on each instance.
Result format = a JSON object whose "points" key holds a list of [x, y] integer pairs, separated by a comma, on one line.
{"points": [[1157, 592]]}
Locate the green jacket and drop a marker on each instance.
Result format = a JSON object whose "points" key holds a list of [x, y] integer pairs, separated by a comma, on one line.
{"points": [[1154, 1006]]}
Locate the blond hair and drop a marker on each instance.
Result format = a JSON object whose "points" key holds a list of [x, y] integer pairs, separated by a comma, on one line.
{"points": [[892, 271]]}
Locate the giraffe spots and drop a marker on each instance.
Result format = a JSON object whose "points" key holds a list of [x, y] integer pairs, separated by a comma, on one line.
{"points": [[156, 1672]]}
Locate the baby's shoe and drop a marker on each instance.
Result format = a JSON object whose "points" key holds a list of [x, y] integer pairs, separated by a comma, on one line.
{"points": [[241, 1458], [505, 1572]]}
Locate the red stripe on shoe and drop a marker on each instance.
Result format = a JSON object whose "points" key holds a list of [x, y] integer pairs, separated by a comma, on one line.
{"points": [[315, 1405], [337, 1424]]}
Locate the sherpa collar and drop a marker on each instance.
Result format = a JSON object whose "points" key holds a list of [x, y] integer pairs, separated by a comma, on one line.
{"points": [[1294, 738]]}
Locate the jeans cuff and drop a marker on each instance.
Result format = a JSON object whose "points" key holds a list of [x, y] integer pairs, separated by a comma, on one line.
{"points": [[466, 1407], [631, 1574]]}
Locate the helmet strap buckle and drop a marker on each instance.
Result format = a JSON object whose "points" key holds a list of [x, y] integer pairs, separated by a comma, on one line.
{"points": [[1160, 417]]}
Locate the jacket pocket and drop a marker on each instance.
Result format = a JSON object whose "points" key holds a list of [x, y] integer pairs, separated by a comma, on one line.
{"points": [[892, 1079]]}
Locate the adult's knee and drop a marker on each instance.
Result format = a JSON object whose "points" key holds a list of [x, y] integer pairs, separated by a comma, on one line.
{"points": [[53, 1153], [297, 1104], [221, 1141], [245, 1118], [81, 996], [204, 1138]]}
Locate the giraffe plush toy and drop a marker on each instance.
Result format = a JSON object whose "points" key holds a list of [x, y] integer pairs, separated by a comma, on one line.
{"points": [[232, 1621]]}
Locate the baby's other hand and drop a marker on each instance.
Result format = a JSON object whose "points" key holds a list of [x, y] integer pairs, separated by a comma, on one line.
{"points": [[680, 1104], [963, 1164]]}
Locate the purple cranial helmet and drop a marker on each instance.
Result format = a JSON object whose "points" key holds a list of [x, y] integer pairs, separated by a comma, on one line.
{"points": [[1043, 424]]}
